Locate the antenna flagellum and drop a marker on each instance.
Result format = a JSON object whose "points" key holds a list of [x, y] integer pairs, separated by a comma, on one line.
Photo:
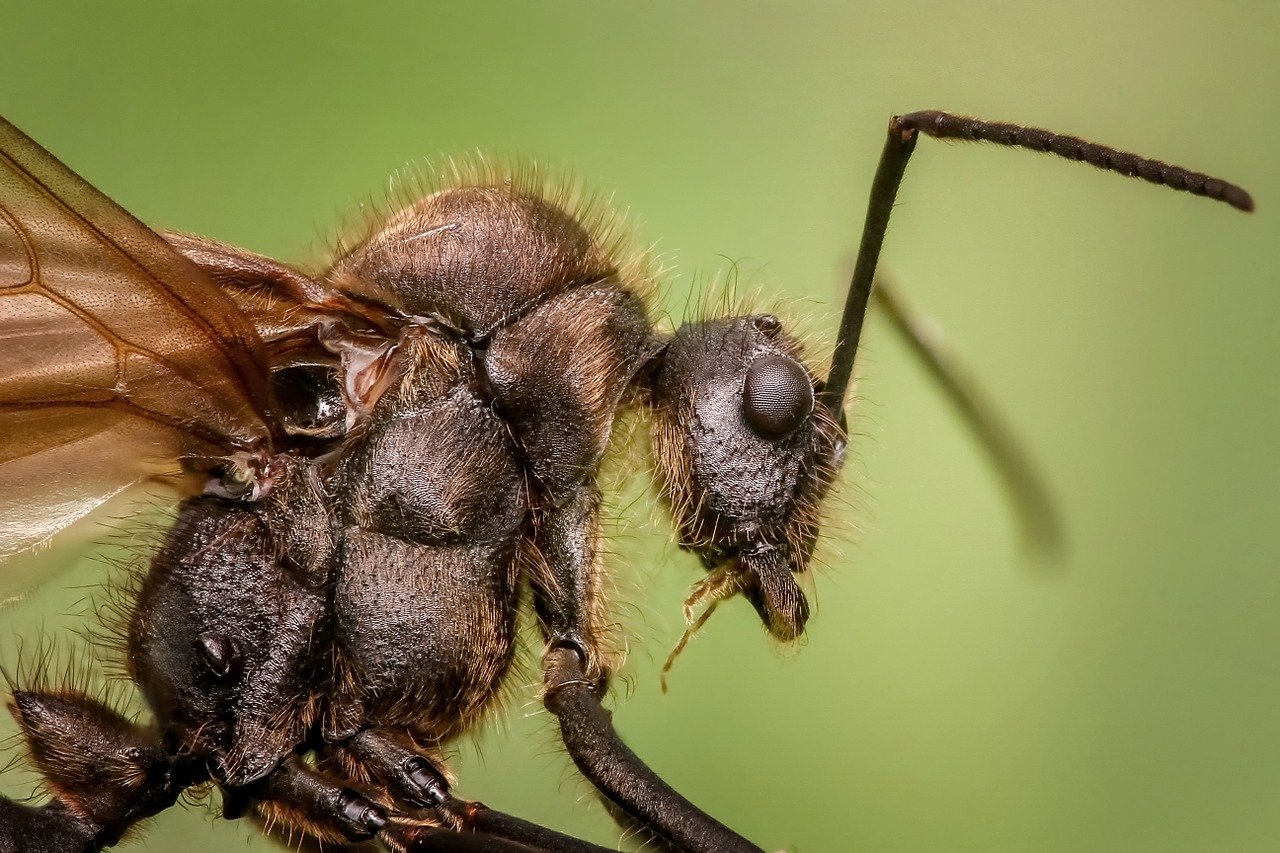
{"points": [[902, 135], [941, 125]]}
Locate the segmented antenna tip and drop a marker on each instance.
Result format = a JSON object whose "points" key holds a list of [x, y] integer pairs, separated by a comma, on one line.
{"points": [[942, 125]]}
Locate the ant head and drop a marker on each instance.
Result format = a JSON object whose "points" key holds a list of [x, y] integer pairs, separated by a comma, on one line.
{"points": [[746, 451]]}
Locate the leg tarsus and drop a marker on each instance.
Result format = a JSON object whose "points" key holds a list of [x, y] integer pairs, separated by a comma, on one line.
{"points": [[414, 779]]}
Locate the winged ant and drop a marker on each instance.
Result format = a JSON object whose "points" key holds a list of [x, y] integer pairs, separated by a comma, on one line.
{"points": [[377, 458]]}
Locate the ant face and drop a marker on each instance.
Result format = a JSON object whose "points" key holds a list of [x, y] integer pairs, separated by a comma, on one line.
{"points": [[746, 454]]}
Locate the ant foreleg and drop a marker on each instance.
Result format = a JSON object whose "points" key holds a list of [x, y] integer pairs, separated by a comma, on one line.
{"points": [[105, 772], [566, 582], [618, 773], [414, 838], [483, 829], [567, 574], [479, 818]]}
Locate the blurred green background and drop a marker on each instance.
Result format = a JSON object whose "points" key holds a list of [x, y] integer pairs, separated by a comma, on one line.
{"points": [[952, 695]]}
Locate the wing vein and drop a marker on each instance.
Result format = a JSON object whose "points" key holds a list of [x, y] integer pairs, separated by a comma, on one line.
{"points": [[158, 287]]}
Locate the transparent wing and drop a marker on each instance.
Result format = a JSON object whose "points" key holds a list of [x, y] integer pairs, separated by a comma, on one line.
{"points": [[71, 466], [117, 355]]}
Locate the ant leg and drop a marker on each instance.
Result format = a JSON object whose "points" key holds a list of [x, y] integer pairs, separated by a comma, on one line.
{"points": [[565, 575], [500, 838], [411, 839], [380, 757], [1026, 489], [588, 734], [106, 774], [479, 818], [300, 799]]}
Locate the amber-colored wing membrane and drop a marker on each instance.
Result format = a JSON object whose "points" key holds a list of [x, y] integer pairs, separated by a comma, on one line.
{"points": [[117, 354], [289, 309]]}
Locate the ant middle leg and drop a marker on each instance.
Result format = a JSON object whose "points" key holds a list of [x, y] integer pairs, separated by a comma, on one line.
{"points": [[295, 799], [381, 758]]}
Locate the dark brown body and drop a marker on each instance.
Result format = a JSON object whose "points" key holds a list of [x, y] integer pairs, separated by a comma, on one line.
{"points": [[399, 612], [437, 405], [393, 452], [328, 615]]}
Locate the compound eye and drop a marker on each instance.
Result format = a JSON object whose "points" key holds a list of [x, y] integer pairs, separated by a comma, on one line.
{"points": [[778, 395]]}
